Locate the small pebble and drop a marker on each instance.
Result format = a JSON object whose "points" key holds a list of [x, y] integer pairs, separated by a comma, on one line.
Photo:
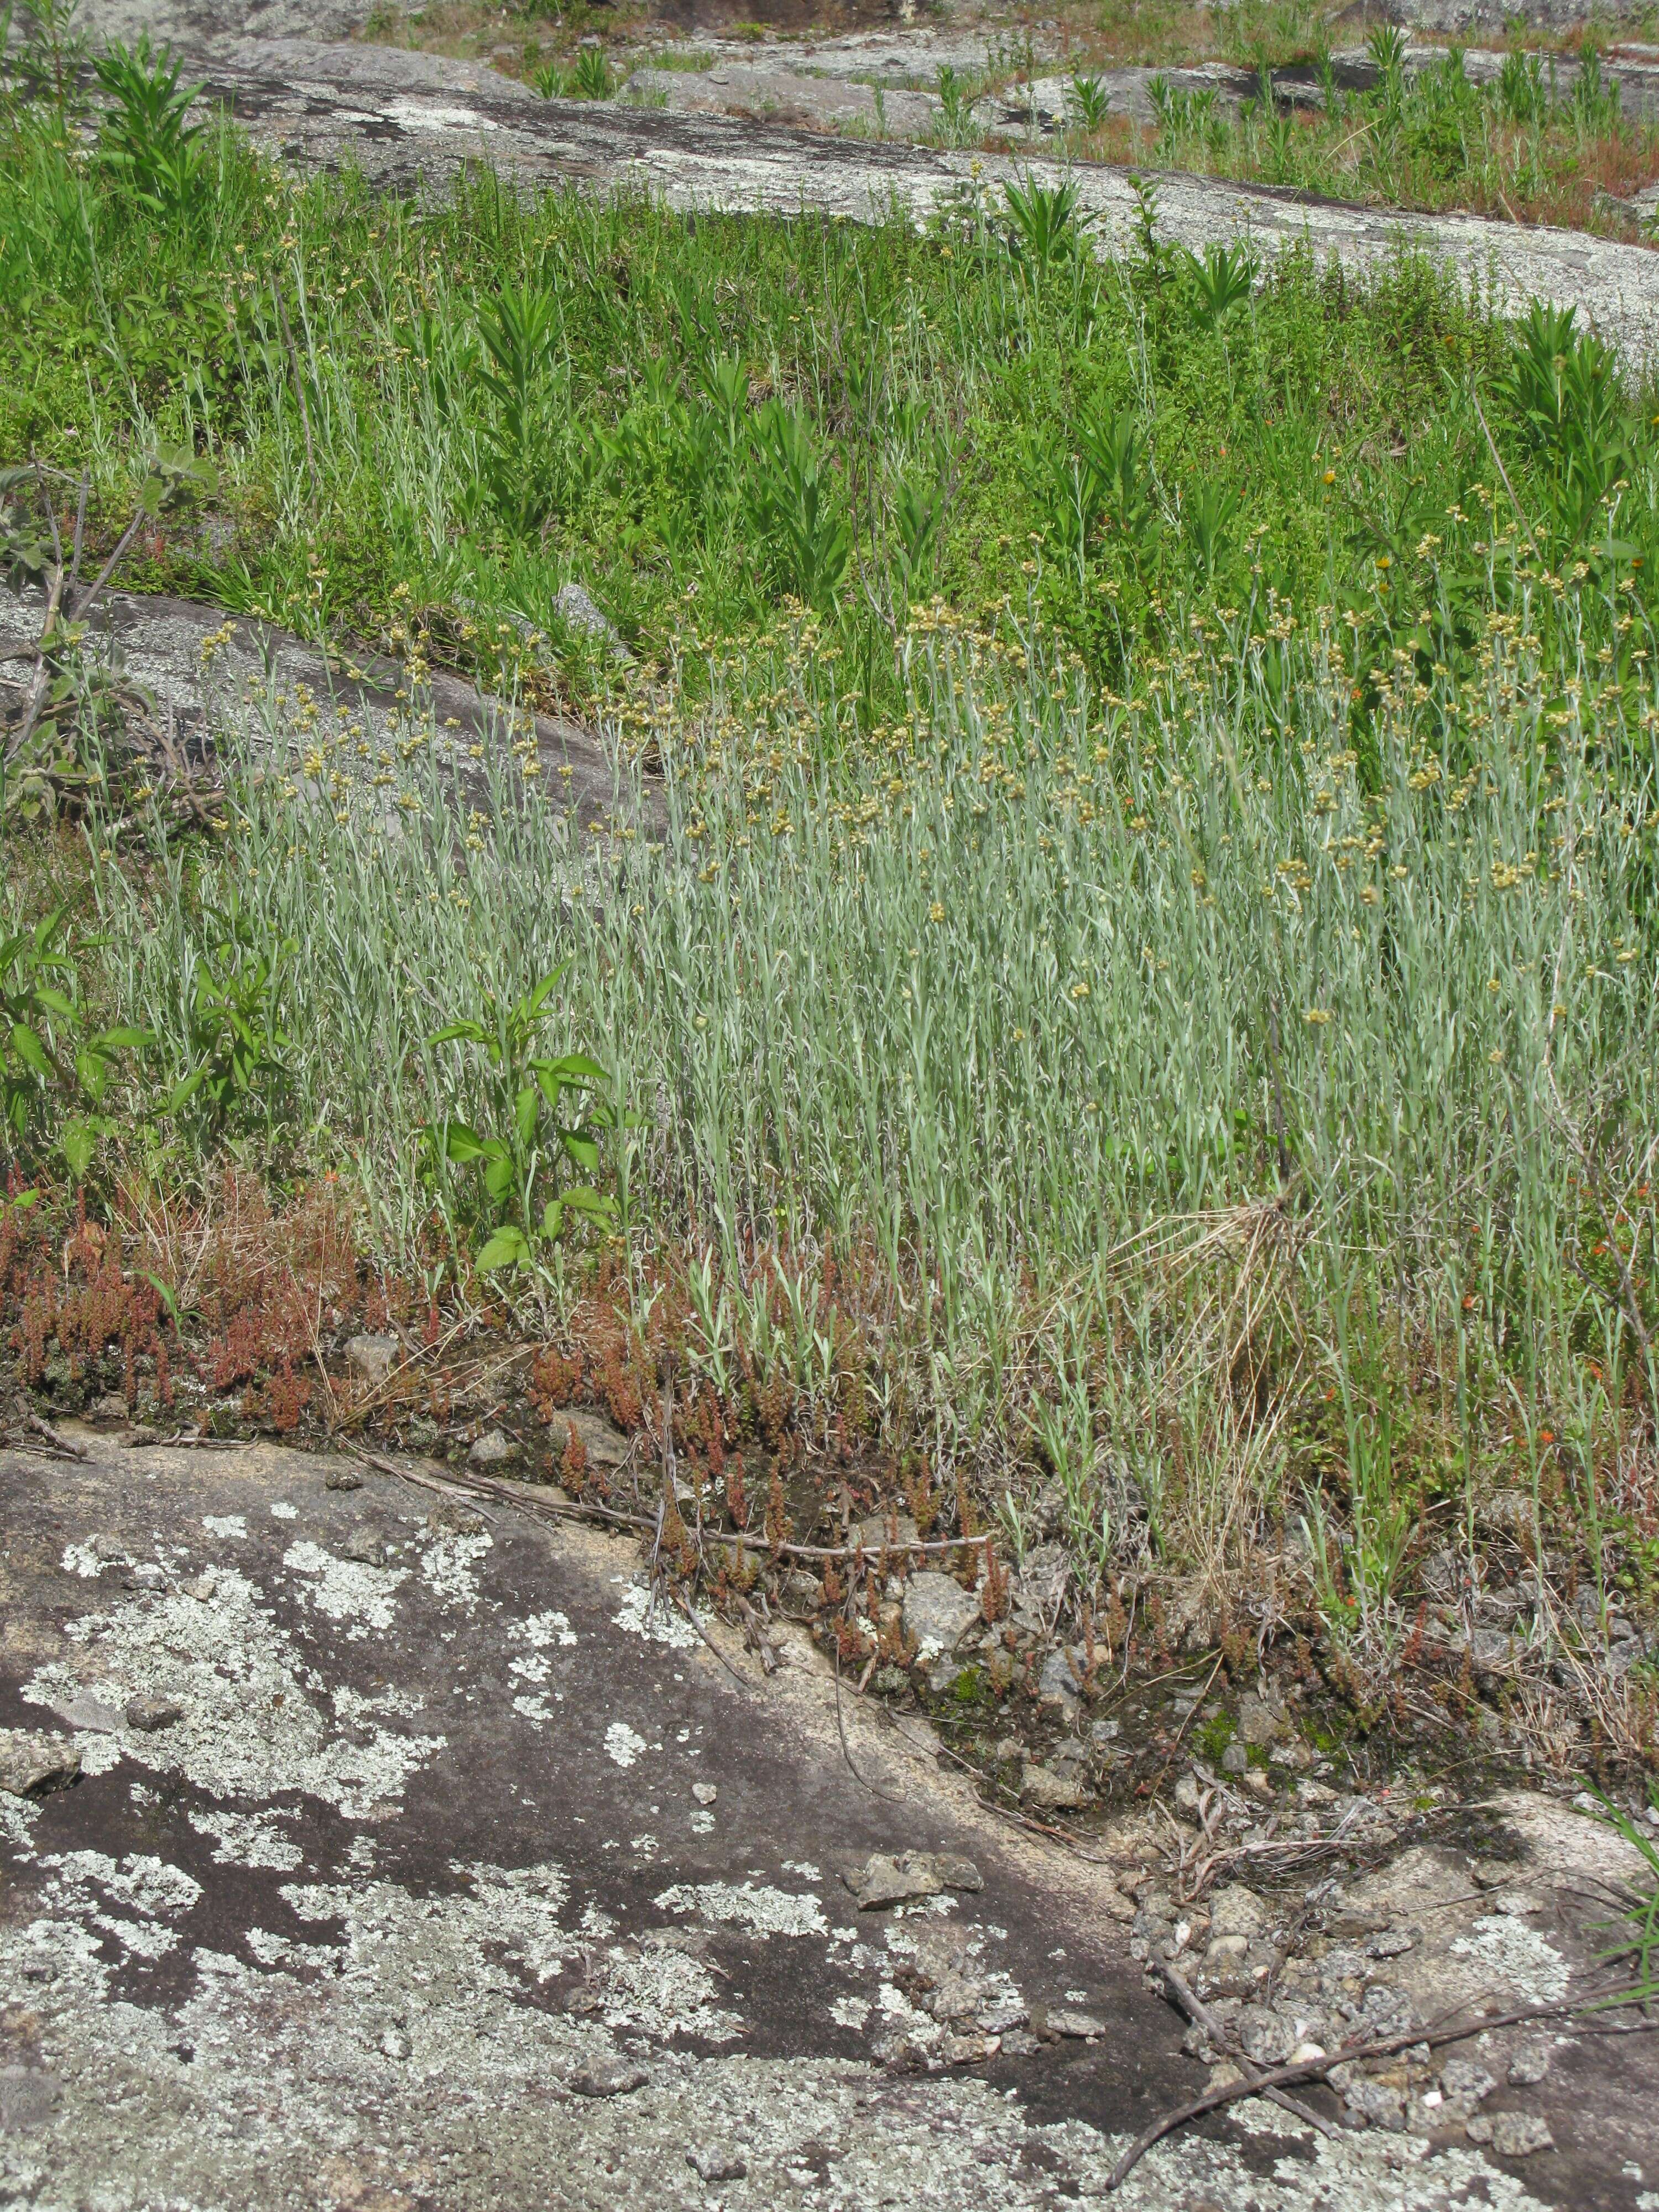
{"points": [[148, 1714], [717, 2165]]}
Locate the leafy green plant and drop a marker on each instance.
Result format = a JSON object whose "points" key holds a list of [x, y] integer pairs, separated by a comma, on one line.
{"points": [[47, 1047], [1045, 227], [58, 42], [919, 506], [1382, 1515], [1522, 96], [1636, 1946], [1207, 515], [1563, 387], [590, 79], [519, 331], [1113, 448], [1595, 97], [792, 498], [1184, 118], [1386, 46], [237, 1074], [1220, 281], [1088, 103], [539, 1145], [147, 139], [957, 95]]}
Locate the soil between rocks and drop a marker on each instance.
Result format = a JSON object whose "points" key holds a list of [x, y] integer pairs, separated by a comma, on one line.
{"points": [[455, 1836]]}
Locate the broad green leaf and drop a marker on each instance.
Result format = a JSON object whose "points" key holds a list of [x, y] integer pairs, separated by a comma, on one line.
{"points": [[458, 1142], [596, 1202], [29, 1050], [507, 1248], [79, 1144]]}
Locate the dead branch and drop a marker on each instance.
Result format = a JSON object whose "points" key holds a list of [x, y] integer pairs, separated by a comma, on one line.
{"points": [[1201, 2016], [37, 1427], [1349, 2054]]}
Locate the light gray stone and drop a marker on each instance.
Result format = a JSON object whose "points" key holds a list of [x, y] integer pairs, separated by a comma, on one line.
{"points": [[578, 611], [711, 2163], [1042, 1788], [605, 1445], [1236, 1910], [32, 1762], [373, 1357], [937, 1613], [775, 93], [610, 2075], [886, 1879], [148, 1714], [492, 1450], [1060, 1682]]}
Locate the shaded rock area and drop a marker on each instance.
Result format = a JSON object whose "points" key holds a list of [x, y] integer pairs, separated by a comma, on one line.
{"points": [[205, 669], [463, 1872], [409, 121]]}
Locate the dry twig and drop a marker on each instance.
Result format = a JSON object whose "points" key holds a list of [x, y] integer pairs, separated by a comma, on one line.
{"points": [[1349, 2054]]}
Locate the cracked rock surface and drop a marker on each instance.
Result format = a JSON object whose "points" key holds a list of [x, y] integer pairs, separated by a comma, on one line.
{"points": [[462, 1876]]}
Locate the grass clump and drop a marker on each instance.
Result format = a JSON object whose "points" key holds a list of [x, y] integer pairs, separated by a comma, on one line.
{"points": [[1527, 145]]}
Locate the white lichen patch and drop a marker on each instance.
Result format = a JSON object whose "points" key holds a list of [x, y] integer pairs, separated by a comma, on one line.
{"points": [[246, 1840], [850, 2012], [140, 1882], [282, 1511], [348, 1590], [272, 1950], [450, 1567], [80, 1889], [663, 1993], [511, 1913], [89, 1560], [541, 1630], [754, 1906], [536, 1708], [1507, 1946], [252, 1726], [657, 1622], [227, 1526], [622, 1745]]}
